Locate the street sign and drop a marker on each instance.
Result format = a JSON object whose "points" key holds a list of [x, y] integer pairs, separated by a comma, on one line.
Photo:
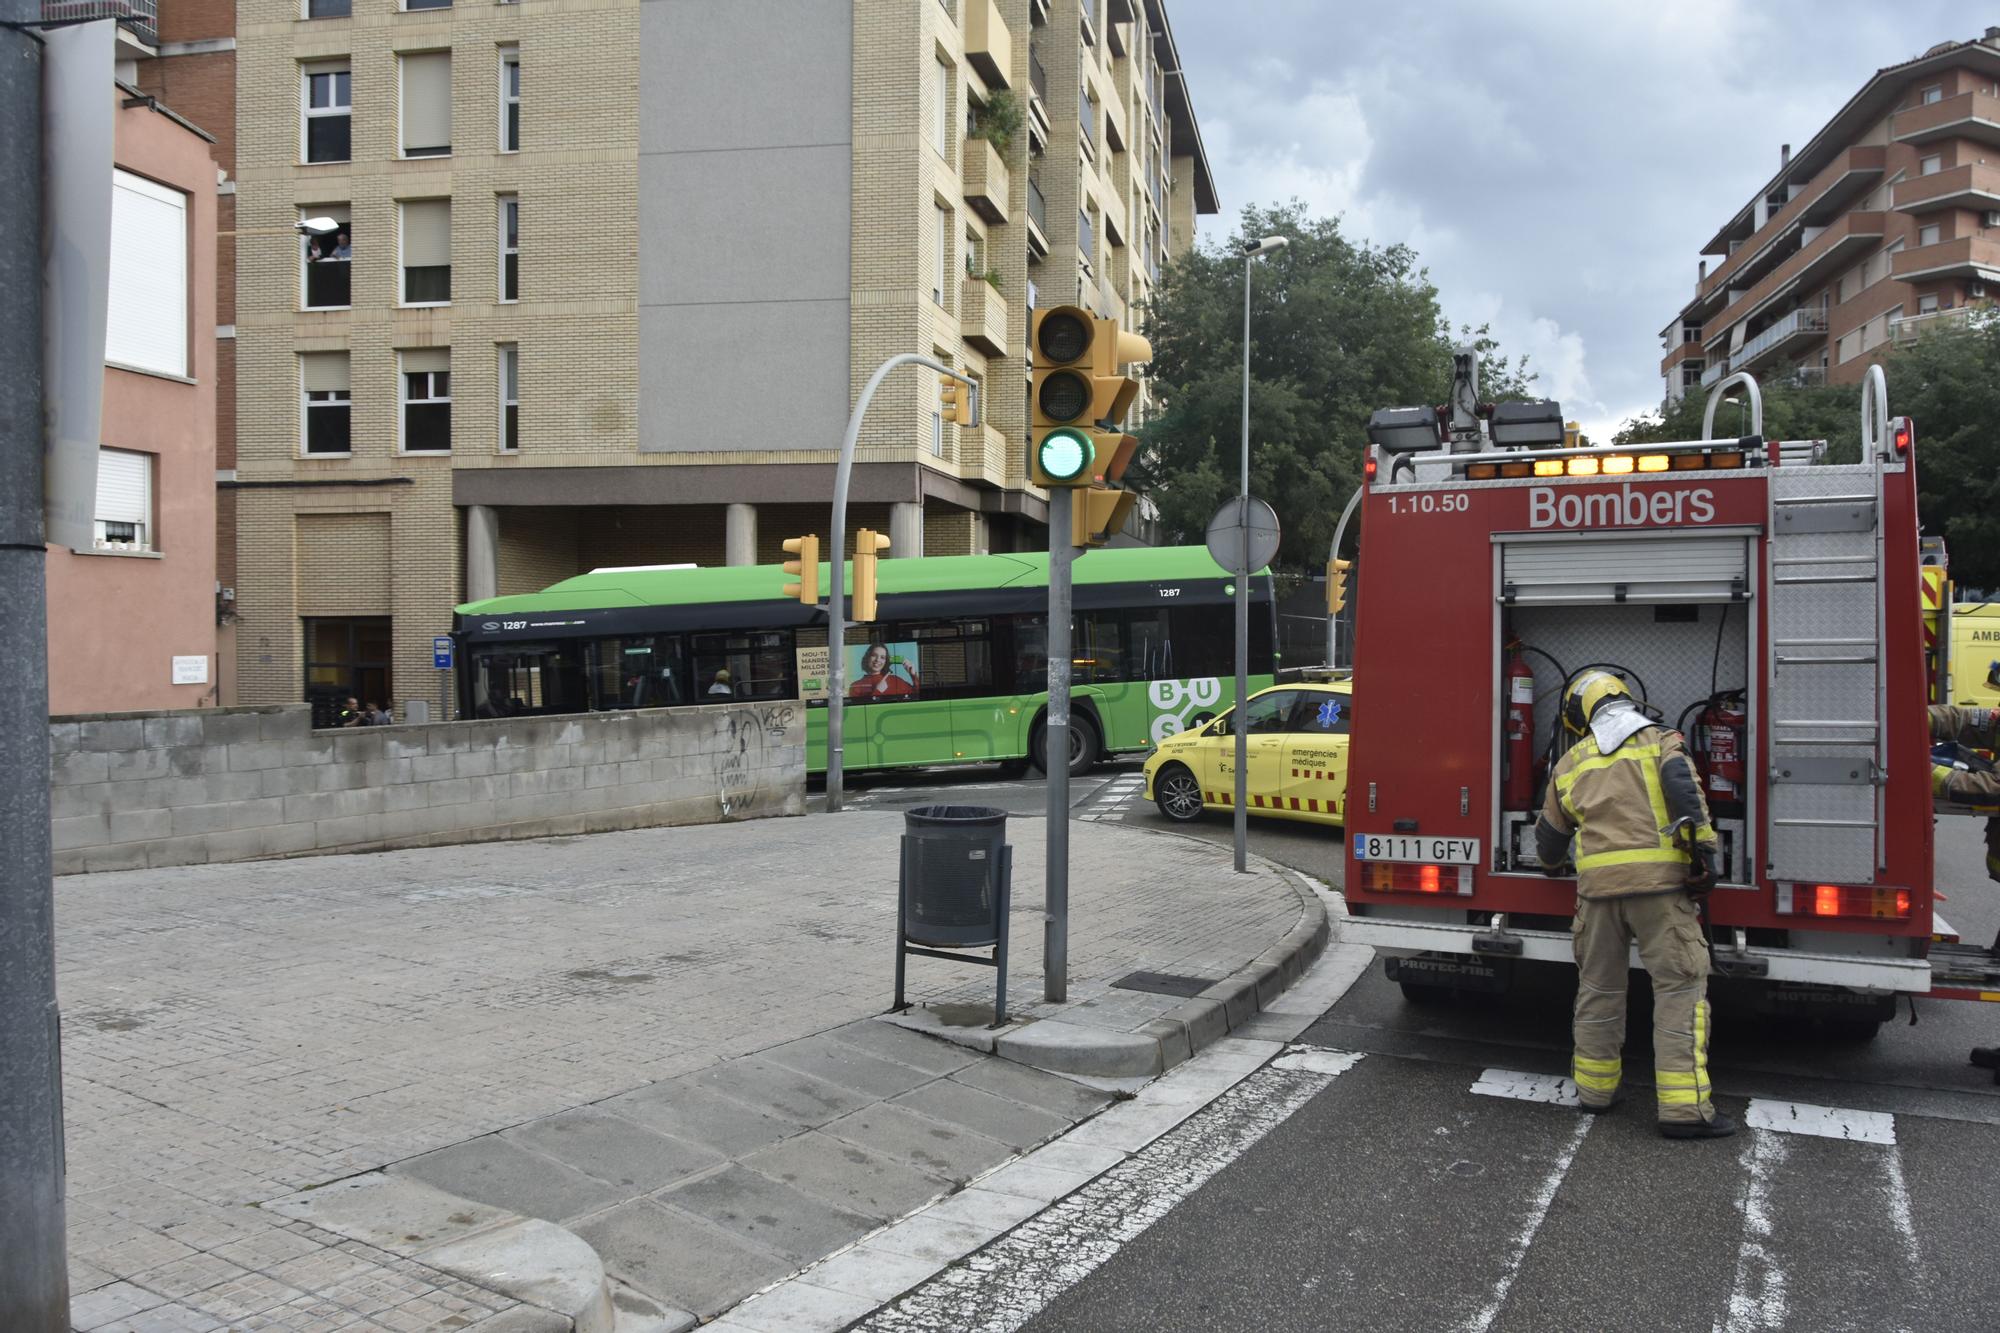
{"points": [[1225, 534], [441, 652]]}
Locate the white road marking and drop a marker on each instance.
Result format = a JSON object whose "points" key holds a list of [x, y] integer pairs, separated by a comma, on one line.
{"points": [[1757, 1300], [1899, 1209], [1551, 1088], [1538, 1210], [1013, 1279], [1825, 1122]]}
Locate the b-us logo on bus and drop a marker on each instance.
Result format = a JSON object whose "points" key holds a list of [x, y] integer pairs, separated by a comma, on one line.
{"points": [[1626, 507], [1180, 704]]}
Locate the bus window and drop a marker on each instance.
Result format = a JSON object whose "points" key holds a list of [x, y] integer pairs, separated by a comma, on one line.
{"points": [[746, 665], [954, 656], [1029, 650], [642, 672], [522, 679]]}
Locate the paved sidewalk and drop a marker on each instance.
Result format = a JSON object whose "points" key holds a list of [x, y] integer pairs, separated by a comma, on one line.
{"points": [[236, 1035]]}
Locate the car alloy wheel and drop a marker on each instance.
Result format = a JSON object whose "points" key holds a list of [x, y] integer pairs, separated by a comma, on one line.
{"points": [[1177, 793]]}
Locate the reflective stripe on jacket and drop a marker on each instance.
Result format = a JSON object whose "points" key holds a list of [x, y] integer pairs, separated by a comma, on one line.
{"points": [[1615, 806]]}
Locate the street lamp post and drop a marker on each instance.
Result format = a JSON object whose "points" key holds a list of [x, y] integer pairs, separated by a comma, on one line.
{"points": [[1268, 245]]}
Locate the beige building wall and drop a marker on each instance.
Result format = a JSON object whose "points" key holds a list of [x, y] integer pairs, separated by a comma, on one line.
{"points": [[584, 489]]}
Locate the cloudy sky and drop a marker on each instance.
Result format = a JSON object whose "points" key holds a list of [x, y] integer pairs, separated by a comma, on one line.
{"points": [[1557, 164]]}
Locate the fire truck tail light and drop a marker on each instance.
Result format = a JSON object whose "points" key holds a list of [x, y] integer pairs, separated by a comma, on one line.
{"points": [[1843, 900], [1368, 469], [1904, 433], [1617, 463], [1416, 877], [1548, 467], [1583, 467], [1652, 462]]}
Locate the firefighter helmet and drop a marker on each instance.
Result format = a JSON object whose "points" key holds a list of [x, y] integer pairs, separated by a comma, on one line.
{"points": [[1588, 693]]}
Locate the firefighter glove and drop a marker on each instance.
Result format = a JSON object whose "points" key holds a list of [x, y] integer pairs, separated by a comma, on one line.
{"points": [[1702, 871]]}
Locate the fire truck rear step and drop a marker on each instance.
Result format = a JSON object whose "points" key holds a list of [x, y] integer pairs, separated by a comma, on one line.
{"points": [[1825, 703], [1964, 966]]}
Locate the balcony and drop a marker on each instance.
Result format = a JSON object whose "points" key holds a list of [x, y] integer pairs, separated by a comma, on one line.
{"points": [[1687, 351], [982, 316], [1717, 368], [1794, 330], [989, 47], [141, 17], [1038, 219], [1974, 185], [1904, 331], [983, 456], [986, 180], [1818, 201], [1973, 257], [1827, 253], [1114, 125], [1966, 116], [1086, 116]]}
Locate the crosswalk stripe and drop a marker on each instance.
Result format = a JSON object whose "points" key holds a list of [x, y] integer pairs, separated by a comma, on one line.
{"points": [[1551, 1088], [1824, 1122]]}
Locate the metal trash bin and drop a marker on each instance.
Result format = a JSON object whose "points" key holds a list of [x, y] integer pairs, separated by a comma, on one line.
{"points": [[954, 890]]}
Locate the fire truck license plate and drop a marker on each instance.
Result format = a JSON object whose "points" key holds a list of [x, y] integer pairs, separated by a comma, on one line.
{"points": [[1404, 847]]}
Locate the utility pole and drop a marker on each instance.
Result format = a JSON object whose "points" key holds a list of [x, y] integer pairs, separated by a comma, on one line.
{"points": [[1055, 750], [34, 1275]]}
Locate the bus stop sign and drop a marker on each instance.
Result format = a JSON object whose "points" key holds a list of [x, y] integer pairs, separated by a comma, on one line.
{"points": [[441, 652]]}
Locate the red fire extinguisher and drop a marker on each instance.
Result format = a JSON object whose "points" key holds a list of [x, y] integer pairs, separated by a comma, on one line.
{"points": [[1517, 787], [1719, 746]]}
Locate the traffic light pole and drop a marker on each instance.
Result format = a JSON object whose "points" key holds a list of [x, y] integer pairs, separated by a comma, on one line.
{"points": [[836, 596], [1055, 751], [1333, 554], [34, 1274]]}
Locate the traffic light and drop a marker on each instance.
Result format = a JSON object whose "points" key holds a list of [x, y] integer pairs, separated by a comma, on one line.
{"points": [[1336, 585], [1080, 392], [868, 545], [1099, 511], [957, 404], [806, 566]]}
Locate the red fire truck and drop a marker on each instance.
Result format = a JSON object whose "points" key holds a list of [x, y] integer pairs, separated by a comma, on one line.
{"points": [[1763, 600]]}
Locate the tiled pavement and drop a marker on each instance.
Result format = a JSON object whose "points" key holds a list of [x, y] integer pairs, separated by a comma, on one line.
{"points": [[235, 1034]]}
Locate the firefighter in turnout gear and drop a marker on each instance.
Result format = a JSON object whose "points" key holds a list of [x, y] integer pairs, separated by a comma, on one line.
{"points": [[1978, 728], [1627, 793]]}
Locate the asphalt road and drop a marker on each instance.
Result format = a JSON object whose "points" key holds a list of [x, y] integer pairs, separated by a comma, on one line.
{"points": [[1397, 1197]]}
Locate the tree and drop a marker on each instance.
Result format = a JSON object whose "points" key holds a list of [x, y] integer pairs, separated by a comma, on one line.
{"points": [[1948, 382], [1338, 329]]}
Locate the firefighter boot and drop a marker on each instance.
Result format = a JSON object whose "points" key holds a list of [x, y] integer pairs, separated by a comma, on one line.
{"points": [[1718, 1127]]}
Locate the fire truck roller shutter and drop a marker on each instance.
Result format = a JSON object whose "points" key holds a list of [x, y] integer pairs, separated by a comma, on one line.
{"points": [[1577, 569]]}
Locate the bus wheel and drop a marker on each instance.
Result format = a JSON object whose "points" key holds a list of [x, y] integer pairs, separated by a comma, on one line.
{"points": [[1082, 746], [1178, 793]]}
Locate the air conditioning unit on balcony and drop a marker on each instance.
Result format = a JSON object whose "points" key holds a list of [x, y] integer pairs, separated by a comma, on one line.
{"points": [[1974, 290], [1990, 218]]}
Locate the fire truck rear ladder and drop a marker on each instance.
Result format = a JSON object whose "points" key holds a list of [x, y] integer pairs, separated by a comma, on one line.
{"points": [[1824, 674]]}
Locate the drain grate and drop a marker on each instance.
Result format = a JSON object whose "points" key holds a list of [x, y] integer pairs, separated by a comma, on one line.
{"points": [[1164, 983]]}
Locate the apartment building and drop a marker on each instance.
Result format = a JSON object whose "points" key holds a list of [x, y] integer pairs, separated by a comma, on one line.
{"points": [[534, 287], [1885, 225], [132, 615]]}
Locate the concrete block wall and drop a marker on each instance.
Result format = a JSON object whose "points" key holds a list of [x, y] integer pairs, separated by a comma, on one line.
{"points": [[131, 790]]}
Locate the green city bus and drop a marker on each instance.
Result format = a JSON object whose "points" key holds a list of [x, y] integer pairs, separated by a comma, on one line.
{"points": [[952, 671]]}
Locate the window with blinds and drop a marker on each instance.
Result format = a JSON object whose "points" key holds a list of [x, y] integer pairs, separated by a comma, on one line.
{"points": [[426, 402], [124, 517], [426, 107], [327, 407], [147, 313], [427, 252]]}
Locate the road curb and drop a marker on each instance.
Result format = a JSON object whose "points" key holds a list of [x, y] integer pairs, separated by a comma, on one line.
{"points": [[1078, 1049]]}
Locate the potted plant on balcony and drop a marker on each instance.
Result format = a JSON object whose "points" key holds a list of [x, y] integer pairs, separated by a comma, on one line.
{"points": [[997, 120]]}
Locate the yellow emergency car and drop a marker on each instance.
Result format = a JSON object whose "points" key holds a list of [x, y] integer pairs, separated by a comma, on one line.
{"points": [[1297, 749]]}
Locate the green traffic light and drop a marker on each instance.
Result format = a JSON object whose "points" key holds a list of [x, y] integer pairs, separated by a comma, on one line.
{"points": [[1066, 454]]}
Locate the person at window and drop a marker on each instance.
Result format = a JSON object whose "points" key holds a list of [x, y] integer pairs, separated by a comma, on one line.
{"points": [[350, 714], [883, 675], [721, 687]]}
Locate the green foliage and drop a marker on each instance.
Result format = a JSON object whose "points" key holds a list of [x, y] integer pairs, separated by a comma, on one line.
{"points": [[1338, 329], [1948, 382], [998, 120]]}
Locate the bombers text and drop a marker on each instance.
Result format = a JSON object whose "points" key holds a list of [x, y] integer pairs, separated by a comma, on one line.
{"points": [[1627, 507]]}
